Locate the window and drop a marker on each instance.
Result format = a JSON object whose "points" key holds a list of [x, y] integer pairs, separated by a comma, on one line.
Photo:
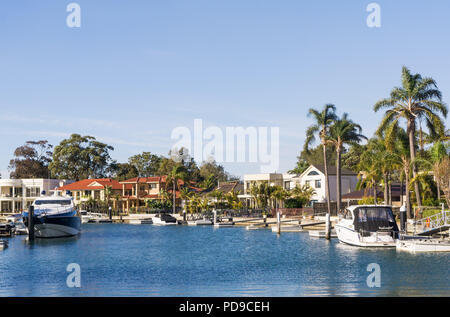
{"points": [[152, 185], [308, 183], [33, 191], [318, 183], [313, 173]]}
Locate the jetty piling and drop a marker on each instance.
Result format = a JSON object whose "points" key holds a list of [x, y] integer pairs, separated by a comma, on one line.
{"points": [[278, 223], [327, 227], [31, 223]]}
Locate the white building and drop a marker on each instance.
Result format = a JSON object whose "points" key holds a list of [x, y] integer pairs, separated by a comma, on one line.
{"points": [[314, 176], [18, 194]]}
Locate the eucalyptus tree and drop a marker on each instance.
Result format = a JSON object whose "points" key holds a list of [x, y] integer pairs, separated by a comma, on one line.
{"points": [[323, 120], [343, 132], [418, 98]]}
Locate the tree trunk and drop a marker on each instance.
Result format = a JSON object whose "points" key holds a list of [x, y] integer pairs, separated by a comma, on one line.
{"points": [[412, 149], [401, 192], [407, 198], [385, 179], [390, 190], [327, 188], [174, 197], [338, 181], [438, 187], [375, 193]]}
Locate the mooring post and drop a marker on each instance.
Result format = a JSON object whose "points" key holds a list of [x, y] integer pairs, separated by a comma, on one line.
{"points": [[215, 216], [327, 226], [31, 223], [265, 220], [278, 222], [110, 212]]}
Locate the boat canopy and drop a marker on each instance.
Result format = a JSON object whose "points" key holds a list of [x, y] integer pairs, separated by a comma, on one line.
{"points": [[374, 218]]}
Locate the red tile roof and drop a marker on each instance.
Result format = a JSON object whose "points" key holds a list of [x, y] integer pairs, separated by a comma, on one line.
{"points": [[90, 184]]}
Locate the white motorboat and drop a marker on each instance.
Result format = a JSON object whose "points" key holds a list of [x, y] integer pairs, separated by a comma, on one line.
{"points": [[54, 217], [145, 221], [164, 220], [368, 226], [85, 216], [200, 222], [423, 245], [19, 226], [93, 217]]}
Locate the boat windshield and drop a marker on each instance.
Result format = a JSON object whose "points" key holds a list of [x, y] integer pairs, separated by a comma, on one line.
{"points": [[64, 202], [374, 218]]}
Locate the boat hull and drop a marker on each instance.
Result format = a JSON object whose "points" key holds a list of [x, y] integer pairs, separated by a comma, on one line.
{"points": [[426, 245], [351, 237], [57, 227]]}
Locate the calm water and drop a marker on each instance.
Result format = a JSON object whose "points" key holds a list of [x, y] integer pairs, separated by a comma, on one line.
{"points": [[146, 260]]}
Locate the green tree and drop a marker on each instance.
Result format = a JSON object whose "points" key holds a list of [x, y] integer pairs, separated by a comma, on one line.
{"points": [[81, 157], [323, 120], [123, 171], [178, 173], [31, 160], [343, 132], [418, 98], [146, 164]]}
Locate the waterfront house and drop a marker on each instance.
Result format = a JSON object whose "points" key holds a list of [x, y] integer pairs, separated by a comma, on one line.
{"points": [[95, 189], [18, 194], [314, 176], [136, 191]]}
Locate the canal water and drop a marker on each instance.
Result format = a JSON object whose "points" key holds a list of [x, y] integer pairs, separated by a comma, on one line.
{"points": [[146, 260]]}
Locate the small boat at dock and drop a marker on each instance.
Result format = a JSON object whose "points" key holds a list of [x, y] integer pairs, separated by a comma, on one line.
{"points": [[7, 229], [423, 245], [200, 222], [368, 226], [164, 220], [145, 221]]}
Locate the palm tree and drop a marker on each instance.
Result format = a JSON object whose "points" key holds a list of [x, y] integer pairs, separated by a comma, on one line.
{"points": [[303, 193], [344, 131], [178, 173], [370, 167], [418, 98], [397, 143], [323, 120]]}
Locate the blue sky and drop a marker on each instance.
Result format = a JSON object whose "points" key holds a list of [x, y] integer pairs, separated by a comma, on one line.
{"points": [[137, 69]]}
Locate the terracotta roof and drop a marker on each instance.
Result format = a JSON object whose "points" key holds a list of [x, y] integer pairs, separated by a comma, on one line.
{"points": [[144, 180], [140, 180], [92, 184]]}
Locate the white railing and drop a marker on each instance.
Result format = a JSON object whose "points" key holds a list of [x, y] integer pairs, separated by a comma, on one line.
{"points": [[434, 221]]}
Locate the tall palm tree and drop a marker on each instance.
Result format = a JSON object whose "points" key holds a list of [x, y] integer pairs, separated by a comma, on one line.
{"points": [[323, 120], [418, 98], [178, 173], [343, 131], [397, 143]]}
